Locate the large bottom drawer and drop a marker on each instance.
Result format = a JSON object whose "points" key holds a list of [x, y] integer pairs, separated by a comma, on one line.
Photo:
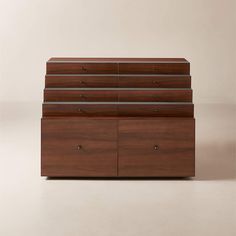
{"points": [[72, 147], [162, 147], [118, 147]]}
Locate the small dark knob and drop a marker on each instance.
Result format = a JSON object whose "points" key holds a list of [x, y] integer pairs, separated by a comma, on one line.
{"points": [[155, 82], [156, 147], [79, 110], [83, 68], [79, 147]]}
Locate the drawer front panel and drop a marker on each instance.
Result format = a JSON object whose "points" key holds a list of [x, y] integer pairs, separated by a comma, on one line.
{"points": [[82, 68], [161, 147], [154, 81], [113, 81], [154, 68], [73, 95], [81, 81], [153, 110], [80, 96], [159, 110], [79, 110], [155, 96], [73, 147]]}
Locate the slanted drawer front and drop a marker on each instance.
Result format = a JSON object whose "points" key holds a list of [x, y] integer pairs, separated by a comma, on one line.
{"points": [[182, 68], [81, 68], [164, 95], [81, 81], [73, 147], [155, 81], [62, 109], [80, 95], [161, 147], [159, 109]]}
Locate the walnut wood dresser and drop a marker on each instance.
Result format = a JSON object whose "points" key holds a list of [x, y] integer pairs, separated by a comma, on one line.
{"points": [[118, 117]]}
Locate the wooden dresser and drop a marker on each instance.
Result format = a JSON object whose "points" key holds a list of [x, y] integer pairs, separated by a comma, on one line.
{"points": [[118, 117]]}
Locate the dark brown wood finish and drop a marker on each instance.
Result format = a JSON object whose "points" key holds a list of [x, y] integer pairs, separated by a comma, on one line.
{"points": [[118, 117], [120, 66], [72, 148], [155, 68], [164, 95], [158, 110], [79, 110], [178, 95], [81, 81], [160, 147], [154, 81], [80, 95], [81, 68], [122, 81]]}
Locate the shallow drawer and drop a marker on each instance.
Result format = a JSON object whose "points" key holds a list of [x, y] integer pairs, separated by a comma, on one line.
{"points": [[114, 95], [122, 81], [81, 68], [81, 81], [122, 109], [73, 109], [73, 148], [155, 81], [161, 147], [80, 95], [162, 95], [181, 68], [160, 110]]}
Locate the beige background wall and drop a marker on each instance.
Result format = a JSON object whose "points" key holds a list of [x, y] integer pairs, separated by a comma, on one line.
{"points": [[203, 31]]}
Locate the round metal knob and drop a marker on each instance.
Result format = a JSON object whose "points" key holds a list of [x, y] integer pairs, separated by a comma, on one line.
{"points": [[156, 147], [79, 147], [79, 110]]}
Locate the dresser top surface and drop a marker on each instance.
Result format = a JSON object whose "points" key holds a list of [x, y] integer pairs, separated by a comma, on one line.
{"points": [[116, 60]]}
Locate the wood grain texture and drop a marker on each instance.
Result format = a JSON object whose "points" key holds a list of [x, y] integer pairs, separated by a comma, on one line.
{"points": [[79, 110], [157, 110], [164, 95], [154, 81], [144, 132], [175, 142], [178, 95], [80, 96], [122, 81], [97, 155], [155, 68], [82, 68], [160, 110], [81, 81]]}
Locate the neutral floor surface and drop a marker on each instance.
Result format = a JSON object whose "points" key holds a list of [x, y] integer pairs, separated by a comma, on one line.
{"points": [[32, 205]]}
